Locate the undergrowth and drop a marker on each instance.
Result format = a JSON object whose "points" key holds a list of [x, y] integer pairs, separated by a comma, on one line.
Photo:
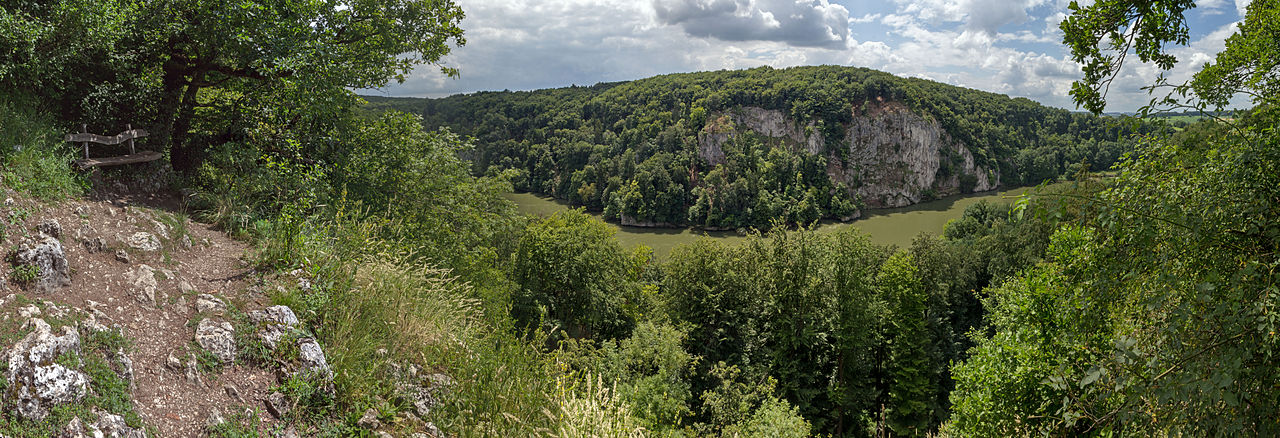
{"points": [[375, 307], [33, 157]]}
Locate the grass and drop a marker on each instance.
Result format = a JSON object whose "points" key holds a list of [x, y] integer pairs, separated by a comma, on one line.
{"points": [[35, 159], [239, 424], [372, 305], [109, 391]]}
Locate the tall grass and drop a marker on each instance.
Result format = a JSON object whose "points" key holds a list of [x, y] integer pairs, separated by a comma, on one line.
{"points": [[33, 157], [374, 307], [589, 407]]}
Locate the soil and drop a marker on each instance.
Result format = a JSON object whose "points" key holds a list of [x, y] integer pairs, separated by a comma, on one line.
{"points": [[188, 263]]}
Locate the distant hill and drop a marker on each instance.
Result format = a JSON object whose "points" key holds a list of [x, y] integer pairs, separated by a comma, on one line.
{"points": [[730, 149]]}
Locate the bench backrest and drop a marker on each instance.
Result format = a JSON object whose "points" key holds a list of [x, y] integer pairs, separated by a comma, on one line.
{"points": [[84, 138]]}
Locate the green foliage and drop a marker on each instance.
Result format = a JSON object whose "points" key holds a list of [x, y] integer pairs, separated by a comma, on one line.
{"points": [[649, 371], [594, 409], [1249, 62], [1143, 26], [736, 408], [239, 424], [33, 158], [909, 349], [1154, 319], [25, 274], [638, 150], [574, 276]]}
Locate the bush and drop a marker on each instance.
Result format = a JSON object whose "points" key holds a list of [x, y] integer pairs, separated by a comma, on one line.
{"points": [[34, 157]]}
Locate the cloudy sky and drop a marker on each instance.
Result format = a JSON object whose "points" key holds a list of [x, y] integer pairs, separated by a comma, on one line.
{"points": [[1005, 46]]}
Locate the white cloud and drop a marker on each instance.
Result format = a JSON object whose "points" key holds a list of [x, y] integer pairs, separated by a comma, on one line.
{"points": [[1001, 46], [805, 23]]}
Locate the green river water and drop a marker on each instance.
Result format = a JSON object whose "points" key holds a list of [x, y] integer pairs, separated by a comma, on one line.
{"points": [[892, 226]]}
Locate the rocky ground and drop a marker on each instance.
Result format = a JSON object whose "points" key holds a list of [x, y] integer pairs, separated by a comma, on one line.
{"points": [[121, 317]]}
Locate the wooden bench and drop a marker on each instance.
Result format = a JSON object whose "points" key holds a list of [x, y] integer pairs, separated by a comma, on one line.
{"points": [[84, 138]]}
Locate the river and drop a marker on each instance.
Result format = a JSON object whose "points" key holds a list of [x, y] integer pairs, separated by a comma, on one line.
{"points": [[891, 226]]}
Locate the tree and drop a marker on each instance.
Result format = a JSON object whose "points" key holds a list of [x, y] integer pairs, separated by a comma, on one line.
{"points": [[1249, 62], [1247, 65], [574, 275], [910, 370], [323, 46], [1143, 26]]}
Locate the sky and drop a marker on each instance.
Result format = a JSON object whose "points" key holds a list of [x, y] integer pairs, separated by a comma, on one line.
{"points": [[1011, 47]]}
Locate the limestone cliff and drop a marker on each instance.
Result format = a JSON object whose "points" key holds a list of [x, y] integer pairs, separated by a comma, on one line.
{"points": [[892, 156]]}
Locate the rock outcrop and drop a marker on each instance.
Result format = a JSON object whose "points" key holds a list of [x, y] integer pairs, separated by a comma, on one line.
{"points": [[143, 241], [273, 324], [144, 284], [218, 338], [45, 255], [769, 123], [108, 426], [278, 323], [893, 156], [36, 382]]}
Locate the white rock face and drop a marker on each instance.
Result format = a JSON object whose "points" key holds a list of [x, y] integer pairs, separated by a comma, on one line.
{"points": [[769, 123], [35, 382], [114, 426], [896, 155], [275, 322], [108, 426], [218, 337], [893, 154]]}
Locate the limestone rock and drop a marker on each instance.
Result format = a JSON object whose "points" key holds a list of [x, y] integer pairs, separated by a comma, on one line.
{"points": [[122, 256], [74, 429], [277, 404], [29, 311], [144, 241], [144, 284], [894, 155], [274, 315], [95, 245], [206, 303], [47, 257], [35, 382], [114, 426], [274, 323], [50, 227], [218, 337], [192, 372], [423, 396], [312, 357], [215, 418], [369, 420], [123, 366]]}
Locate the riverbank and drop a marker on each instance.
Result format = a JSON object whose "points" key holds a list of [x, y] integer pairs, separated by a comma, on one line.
{"points": [[890, 226]]}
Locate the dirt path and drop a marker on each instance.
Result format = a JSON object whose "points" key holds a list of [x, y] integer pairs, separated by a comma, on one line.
{"points": [[149, 287]]}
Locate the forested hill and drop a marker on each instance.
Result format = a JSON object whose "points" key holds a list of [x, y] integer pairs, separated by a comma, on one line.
{"points": [[730, 149]]}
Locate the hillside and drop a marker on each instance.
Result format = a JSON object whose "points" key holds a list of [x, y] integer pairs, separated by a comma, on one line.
{"points": [[729, 149]]}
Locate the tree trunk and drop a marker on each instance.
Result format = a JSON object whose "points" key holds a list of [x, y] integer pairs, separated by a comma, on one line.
{"points": [[185, 157], [172, 83]]}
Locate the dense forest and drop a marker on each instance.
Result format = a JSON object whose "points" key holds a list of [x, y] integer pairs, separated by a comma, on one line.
{"points": [[638, 150], [1144, 303]]}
